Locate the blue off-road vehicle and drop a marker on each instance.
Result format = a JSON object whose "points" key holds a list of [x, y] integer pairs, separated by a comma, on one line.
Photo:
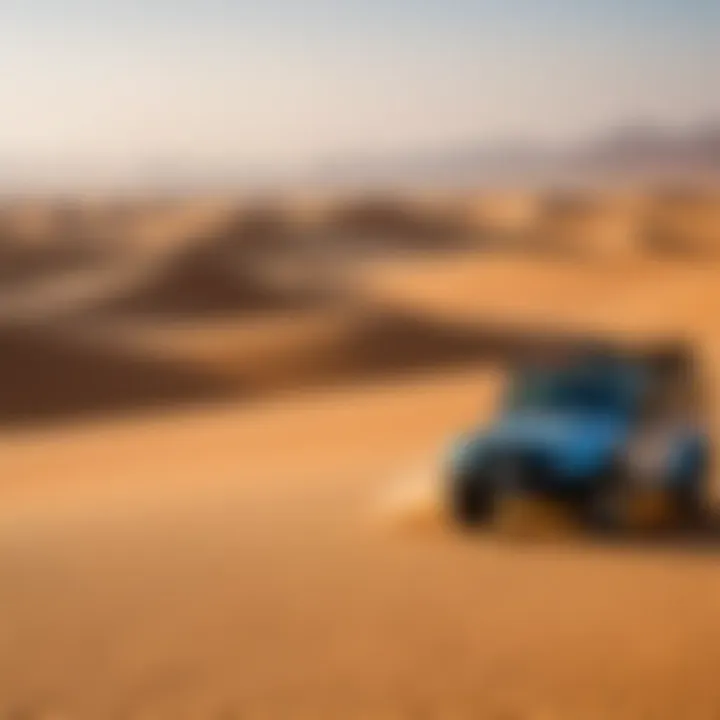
{"points": [[617, 437]]}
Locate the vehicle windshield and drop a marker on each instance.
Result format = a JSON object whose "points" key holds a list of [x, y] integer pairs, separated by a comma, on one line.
{"points": [[594, 388]]}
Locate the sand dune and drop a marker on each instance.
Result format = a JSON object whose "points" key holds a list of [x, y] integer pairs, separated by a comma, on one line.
{"points": [[398, 225], [203, 280], [199, 517], [684, 225], [39, 238], [62, 372], [42, 241], [47, 375]]}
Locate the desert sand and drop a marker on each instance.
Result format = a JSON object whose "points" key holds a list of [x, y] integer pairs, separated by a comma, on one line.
{"points": [[198, 454]]}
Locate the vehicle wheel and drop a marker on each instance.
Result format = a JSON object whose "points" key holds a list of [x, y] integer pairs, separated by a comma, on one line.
{"points": [[690, 506], [470, 500], [691, 497], [622, 506], [608, 506]]}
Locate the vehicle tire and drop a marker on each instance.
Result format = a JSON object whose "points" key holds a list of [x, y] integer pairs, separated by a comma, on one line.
{"points": [[607, 509], [691, 497], [470, 500], [691, 508], [620, 506]]}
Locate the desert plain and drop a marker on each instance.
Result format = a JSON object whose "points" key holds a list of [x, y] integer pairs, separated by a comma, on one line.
{"points": [[206, 403]]}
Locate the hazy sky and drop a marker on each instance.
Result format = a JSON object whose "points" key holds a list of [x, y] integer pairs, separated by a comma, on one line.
{"points": [[296, 79]]}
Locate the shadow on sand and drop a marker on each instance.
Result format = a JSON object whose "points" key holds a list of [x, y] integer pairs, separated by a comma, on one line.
{"points": [[51, 374], [47, 377]]}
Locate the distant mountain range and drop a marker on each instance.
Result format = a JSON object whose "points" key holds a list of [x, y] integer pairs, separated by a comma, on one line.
{"points": [[630, 153]]}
